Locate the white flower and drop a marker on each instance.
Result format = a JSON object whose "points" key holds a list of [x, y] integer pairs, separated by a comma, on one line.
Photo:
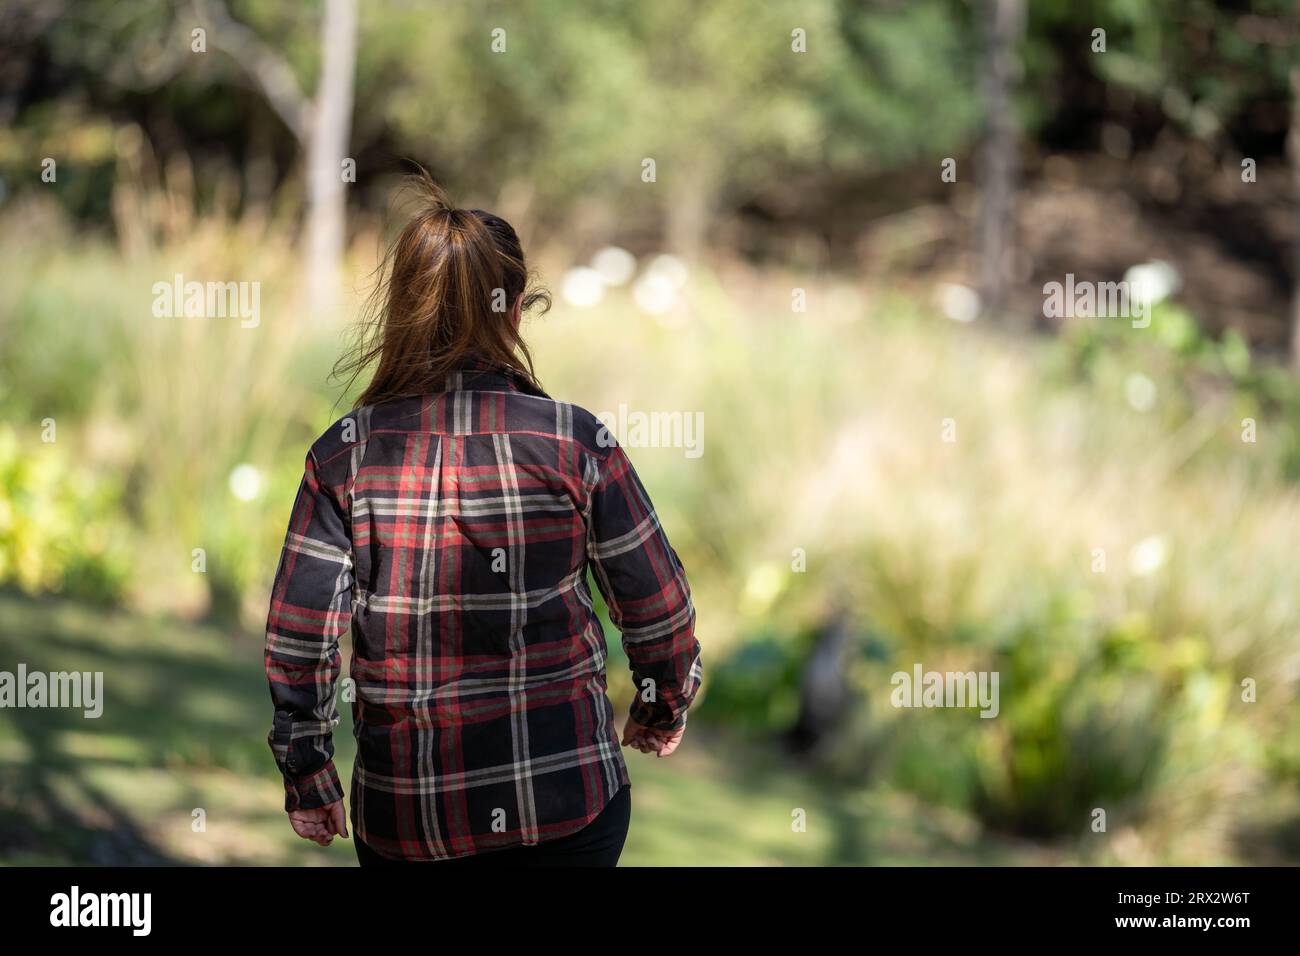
{"points": [[614, 265], [582, 287], [1140, 392], [1153, 281], [655, 294], [670, 268], [246, 482], [959, 303], [1148, 555]]}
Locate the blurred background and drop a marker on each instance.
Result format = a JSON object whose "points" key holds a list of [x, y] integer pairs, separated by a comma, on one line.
{"points": [[827, 227]]}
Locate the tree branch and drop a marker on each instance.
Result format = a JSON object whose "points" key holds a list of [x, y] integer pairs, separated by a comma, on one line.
{"points": [[260, 62]]}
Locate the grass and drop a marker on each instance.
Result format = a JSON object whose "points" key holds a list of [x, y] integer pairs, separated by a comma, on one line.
{"points": [[183, 729]]}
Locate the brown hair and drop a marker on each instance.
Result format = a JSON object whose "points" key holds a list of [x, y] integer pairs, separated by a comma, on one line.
{"points": [[446, 290]]}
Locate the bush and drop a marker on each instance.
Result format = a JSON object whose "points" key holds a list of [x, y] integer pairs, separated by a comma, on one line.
{"points": [[58, 525]]}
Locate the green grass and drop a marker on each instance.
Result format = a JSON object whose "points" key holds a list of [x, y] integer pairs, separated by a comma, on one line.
{"points": [[184, 724]]}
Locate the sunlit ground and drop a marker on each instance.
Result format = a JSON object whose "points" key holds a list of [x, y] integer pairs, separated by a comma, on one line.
{"points": [[183, 729]]}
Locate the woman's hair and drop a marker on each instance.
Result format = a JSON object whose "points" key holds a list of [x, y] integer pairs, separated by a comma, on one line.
{"points": [[445, 293]]}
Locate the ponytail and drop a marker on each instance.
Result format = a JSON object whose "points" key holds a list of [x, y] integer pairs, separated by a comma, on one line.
{"points": [[447, 287]]}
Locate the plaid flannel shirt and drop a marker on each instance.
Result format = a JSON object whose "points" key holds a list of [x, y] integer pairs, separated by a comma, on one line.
{"points": [[452, 534]]}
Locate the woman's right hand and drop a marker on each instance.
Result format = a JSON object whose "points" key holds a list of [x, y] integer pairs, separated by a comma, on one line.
{"points": [[320, 824], [648, 740]]}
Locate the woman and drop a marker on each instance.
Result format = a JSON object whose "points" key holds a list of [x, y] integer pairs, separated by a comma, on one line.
{"points": [[449, 522]]}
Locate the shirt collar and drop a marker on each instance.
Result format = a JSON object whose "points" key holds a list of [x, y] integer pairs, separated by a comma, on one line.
{"points": [[480, 375]]}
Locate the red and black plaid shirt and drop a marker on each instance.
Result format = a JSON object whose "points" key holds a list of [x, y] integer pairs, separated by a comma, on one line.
{"points": [[453, 533]]}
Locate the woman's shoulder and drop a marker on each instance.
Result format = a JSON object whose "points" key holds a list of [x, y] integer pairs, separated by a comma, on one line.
{"points": [[564, 421], [351, 432]]}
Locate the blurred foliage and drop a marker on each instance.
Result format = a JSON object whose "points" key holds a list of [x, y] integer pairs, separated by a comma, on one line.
{"points": [[1193, 365], [1205, 66], [59, 526], [542, 126], [757, 687], [552, 128]]}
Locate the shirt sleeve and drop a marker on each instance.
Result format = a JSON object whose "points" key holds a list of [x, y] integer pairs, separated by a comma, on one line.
{"points": [[311, 607], [649, 600]]}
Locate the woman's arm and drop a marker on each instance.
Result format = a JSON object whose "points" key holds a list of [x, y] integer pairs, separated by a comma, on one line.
{"points": [[649, 599], [311, 607]]}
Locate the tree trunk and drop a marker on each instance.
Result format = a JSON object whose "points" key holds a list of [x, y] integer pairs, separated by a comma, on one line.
{"points": [[1004, 24], [692, 199], [327, 147], [1293, 150]]}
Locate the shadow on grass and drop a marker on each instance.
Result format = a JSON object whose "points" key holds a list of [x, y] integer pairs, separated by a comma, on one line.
{"points": [[172, 696], [1273, 838], [184, 725]]}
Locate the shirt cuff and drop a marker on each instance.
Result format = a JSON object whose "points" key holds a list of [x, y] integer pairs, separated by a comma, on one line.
{"points": [[656, 717], [313, 790]]}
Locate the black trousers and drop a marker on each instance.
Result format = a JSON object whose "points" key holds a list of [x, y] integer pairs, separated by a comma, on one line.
{"points": [[599, 843]]}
